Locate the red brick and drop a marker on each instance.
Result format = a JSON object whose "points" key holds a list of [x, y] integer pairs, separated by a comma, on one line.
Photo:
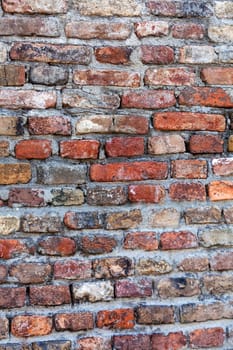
{"points": [[33, 149], [188, 31], [189, 121], [221, 262], [58, 246], [141, 240], [113, 55], [133, 289], [170, 76], [27, 99], [178, 240], [49, 125], [151, 28], [194, 264], [32, 6], [157, 54], [207, 338], [44, 52], [30, 326], [217, 75], [11, 248], [72, 269], [189, 169], [98, 30], [116, 319], [12, 297], [220, 190], [206, 144], [146, 193], [205, 96], [74, 322], [50, 295], [30, 272], [26, 197], [173, 341], [135, 171], [94, 343], [124, 146], [151, 99], [166, 8], [11, 75], [187, 192], [106, 78], [222, 166], [79, 149], [132, 342], [131, 124], [97, 244]]}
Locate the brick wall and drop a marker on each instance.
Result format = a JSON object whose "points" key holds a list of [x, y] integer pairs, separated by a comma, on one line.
{"points": [[116, 175]]}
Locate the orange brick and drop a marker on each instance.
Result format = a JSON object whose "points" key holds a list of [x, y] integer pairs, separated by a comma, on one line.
{"points": [[116, 319], [220, 190], [30, 326]]}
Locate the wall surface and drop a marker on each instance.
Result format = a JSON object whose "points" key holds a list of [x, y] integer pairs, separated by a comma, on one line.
{"points": [[116, 175]]}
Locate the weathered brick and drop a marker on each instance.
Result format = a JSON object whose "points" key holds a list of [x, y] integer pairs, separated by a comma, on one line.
{"points": [[166, 144], [50, 295], [116, 55], [11, 248], [207, 338], [189, 169], [26, 197], [134, 171], [221, 262], [187, 191], [25, 26], [178, 240], [4, 328], [178, 287], [123, 220], [93, 291], [152, 267], [132, 342], [155, 314], [225, 54], [113, 267], [201, 312], [151, 99], [203, 215], [33, 149], [10, 126], [216, 237], [101, 195], [230, 144], [157, 54], [72, 269], [13, 173], [173, 340], [206, 96], [141, 240], [30, 326], [30, 7], [206, 144], [165, 217], [74, 322], [170, 76], [192, 31], [222, 166], [193, 264], [49, 125], [41, 224], [12, 297], [48, 75], [146, 193], [79, 149], [218, 284], [220, 190], [166, 121], [31, 272], [51, 345], [224, 9], [51, 53], [58, 246], [116, 319], [98, 30], [14, 346], [217, 75], [221, 33], [130, 124], [3, 273], [94, 124], [228, 215], [59, 173], [106, 8], [180, 8], [197, 54], [83, 220], [9, 224], [27, 99], [97, 244], [151, 28], [133, 289], [12, 75], [67, 196], [106, 78], [4, 148], [124, 147], [94, 343]]}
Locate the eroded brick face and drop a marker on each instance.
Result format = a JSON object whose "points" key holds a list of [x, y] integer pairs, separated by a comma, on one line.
{"points": [[116, 189]]}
